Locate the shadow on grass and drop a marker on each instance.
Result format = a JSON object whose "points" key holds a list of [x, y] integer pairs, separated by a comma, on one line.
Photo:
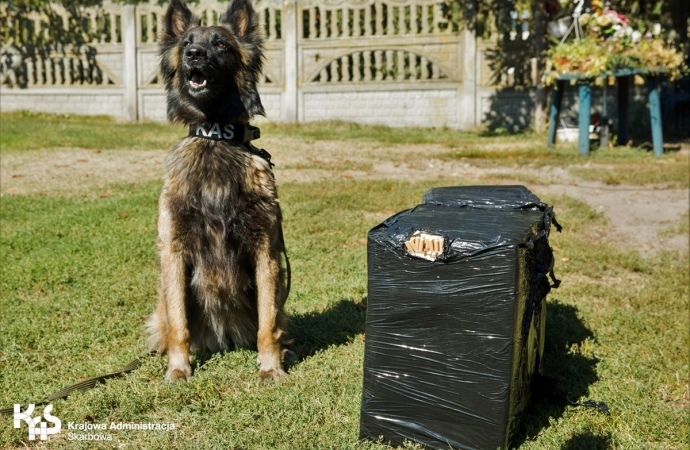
{"points": [[314, 331], [566, 372], [318, 330], [588, 441]]}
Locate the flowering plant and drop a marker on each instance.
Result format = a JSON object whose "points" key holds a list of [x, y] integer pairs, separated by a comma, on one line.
{"points": [[609, 43]]}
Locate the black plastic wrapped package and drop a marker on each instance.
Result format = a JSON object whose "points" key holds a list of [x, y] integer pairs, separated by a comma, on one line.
{"points": [[454, 337], [484, 197]]}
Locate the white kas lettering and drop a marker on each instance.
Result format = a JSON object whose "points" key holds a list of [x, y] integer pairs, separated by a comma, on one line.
{"points": [[229, 131], [35, 422], [215, 129]]}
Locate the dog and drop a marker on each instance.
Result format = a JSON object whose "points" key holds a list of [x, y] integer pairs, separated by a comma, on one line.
{"points": [[220, 241]]}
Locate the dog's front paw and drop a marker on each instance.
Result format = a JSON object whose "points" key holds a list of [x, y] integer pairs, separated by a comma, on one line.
{"points": [[178, 369], [270, 368], [177, 375], [271, 375]]}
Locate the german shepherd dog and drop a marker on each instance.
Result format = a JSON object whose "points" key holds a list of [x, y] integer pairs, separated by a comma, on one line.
{"points": [[220, 240]]}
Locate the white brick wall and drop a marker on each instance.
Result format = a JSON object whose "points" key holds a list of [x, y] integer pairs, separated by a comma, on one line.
{"points": [[64, 101], [392, 108]]}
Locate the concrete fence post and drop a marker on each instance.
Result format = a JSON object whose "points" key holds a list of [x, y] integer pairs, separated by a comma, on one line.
{"points": [[129, 63], [290, 93], [469, 116]]}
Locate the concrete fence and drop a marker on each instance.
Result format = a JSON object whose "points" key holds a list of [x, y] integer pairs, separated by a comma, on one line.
{"points": [[392, 62]]}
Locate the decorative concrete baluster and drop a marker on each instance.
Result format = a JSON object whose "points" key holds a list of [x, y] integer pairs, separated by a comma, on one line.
{"points": [[334, 24], [378, 64], [401, 65], [66, 71], [367, 66], [49, 71], [343, 75], [389, 65], [312, 32], [378, 26], [30, 73], [413, 19], [357, 29], [389, 21], [356, 67], [322, 23], [367, 21], [113, 28]]}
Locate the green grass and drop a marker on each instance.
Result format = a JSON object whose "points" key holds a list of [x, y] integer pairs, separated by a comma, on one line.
{"points": [[78, 276], [30, 131], [78, 279], [671, 172]]}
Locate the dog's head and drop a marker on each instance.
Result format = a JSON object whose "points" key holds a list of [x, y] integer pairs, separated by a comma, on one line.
{"points": [[211, 72]]}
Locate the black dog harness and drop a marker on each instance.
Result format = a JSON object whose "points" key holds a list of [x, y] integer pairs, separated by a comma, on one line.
{"points": [[240, 133]]}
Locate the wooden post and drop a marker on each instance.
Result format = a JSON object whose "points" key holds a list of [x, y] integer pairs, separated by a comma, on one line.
{"points": [[655, 115], [129, 63], [584, 94]]}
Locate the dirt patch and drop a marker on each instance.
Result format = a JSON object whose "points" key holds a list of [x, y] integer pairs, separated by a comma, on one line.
{"points": [[637, 214], [65, 171]]}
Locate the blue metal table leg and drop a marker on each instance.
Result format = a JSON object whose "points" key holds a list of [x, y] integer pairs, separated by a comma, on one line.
{"points": [[623, 101], [555, 110], [655, 115], [584, 93]]}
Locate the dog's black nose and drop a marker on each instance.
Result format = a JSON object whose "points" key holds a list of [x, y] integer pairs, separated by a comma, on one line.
{"points": [[195, 54]]}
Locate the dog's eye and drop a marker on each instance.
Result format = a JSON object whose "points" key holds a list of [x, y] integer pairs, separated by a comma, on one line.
{"points": [[220, 44], [186, 44]]}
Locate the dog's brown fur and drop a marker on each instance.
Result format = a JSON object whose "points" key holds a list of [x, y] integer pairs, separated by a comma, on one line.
{"points": [[219, 224]]}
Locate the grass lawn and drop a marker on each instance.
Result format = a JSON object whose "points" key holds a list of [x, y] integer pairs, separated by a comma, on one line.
{"points": [[78, 276]]}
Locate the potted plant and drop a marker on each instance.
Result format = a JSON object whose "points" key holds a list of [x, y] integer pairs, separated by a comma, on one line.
{"points": [[608, 44]]}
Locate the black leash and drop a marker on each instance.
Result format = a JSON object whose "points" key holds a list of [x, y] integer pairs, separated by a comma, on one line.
{"points": [[84, 385]]}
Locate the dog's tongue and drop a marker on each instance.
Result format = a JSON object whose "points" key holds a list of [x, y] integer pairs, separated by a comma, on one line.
{"points": [[198, 80]]}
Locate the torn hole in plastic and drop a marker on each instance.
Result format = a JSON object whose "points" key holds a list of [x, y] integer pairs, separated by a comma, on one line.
{"points": [[425, 245]]}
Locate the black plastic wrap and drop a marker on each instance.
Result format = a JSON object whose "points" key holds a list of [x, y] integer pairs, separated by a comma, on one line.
{"points": [[484, 197], [452, 344]]}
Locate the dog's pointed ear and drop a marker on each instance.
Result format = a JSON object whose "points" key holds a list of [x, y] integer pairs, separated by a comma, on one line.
{"points": [[178, 18], [240, 17]]}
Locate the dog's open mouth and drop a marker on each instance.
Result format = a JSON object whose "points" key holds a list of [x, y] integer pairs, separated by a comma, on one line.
{"points": [[197, 79]]}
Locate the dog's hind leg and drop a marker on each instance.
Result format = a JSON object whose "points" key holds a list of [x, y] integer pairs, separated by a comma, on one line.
{"points": [[271, 316]]}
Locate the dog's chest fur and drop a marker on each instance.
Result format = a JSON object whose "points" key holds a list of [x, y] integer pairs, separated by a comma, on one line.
{"points": [[222, 203]]}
